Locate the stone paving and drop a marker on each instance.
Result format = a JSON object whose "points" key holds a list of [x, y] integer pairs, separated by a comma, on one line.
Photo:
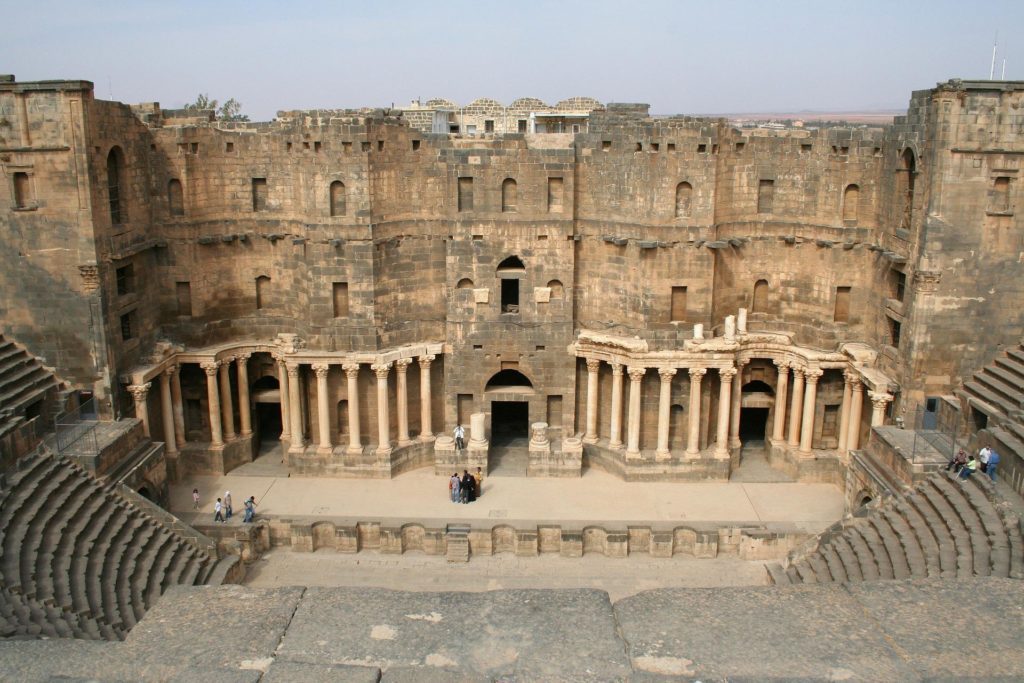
{"points": [[923, 630], [596, 497]]}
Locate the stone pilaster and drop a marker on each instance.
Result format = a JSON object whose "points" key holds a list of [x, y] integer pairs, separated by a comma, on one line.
{"points": [[140, 394]]}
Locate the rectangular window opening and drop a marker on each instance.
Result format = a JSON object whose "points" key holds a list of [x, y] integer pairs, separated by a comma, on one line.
{"points": [[678, 308], [340, 298], [365, 146], [671, 147], [510, 295], [229, 147], [765, 196], [606, 145], [899, 285], [463, 408], [895, 327], [125, 279], [702, 149], [317, 146], [842, 309], [522, 125], [22, 190], [415, 145], [259, 194], [555, 195], [128, 326], [488, 126], [465, 194], [346, 147]]}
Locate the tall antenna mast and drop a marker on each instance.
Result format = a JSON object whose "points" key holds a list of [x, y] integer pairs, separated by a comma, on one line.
{"points": [[992, 69], [1003, 77]]}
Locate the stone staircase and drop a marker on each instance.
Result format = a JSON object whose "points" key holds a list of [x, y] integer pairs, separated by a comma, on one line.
{"points": [[941, 528], [23, 381], [77, 560], [997, 391]]}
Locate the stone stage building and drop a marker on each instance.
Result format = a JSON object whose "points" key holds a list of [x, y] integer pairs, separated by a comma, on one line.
{"points": [[596, 287]]}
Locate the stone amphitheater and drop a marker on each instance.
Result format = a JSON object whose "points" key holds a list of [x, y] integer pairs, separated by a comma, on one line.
{"points": [[598, 295]]}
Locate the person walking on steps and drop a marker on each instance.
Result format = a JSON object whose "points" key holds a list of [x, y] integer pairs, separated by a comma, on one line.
{"points": [[993, 461], [218, 511], [227, 505], [479, 481], [983, 456], [460, 438], [195, 499]]}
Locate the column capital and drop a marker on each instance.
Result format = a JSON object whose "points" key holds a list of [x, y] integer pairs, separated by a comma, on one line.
{"points": [[170, 371], [740, 362], [425, 360], [293, 370], [210, 367], [321, 369], [782, 364], [139, 391], [617, 368], [593, 364], [243, 357], [402, 364], [351, 369], [857, 384], [879, 399], [851, 377], [635, 373], [226, 360], [797, 370], [726, 374], [381, 370], [697, 373], [667, 374], [812, 376]]}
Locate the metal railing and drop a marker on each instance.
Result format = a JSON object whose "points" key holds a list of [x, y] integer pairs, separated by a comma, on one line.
{"points": [[76, 429], [934, 431]]}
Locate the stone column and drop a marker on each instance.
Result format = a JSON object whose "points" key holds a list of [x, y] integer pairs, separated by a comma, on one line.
{"points": [[426, 428], [213, 398], [810, 396], [615, 439], [664, 413], [593, 368], [724, 409], [781, 385], [178, 407], [878, 401], [856, 406], [140, 392], [167, 413], [355, 446], [323, 408], [844, 411], [737, 406], [633, 433], [226, 408], [383, 416], [298, 439], [693, 435], [796, 406], [284, 391], [244, 408], [401, 366]]}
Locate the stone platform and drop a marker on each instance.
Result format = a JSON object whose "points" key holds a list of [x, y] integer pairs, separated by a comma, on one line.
{"points": [[881, 631]]}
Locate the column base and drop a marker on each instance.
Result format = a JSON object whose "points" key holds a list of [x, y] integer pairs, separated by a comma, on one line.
{"points": [[245, 434], [324, 450], [402, 443], [735, 443], [662, 456], [809, 455], [297, 448], [383, 451], [354, 450], [720, 455], [691, 455], [634, 455], [616, 446], [426, 437], [590, 439]]}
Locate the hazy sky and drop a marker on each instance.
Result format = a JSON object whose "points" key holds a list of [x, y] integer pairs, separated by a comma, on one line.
{"points": [[681, 57]]}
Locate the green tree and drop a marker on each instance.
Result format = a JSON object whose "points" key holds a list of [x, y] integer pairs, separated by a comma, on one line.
{"points": [[229, 111]]}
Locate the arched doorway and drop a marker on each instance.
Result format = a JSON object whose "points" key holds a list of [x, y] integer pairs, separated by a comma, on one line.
{"points": [[756, 402], [509, 392], [266, 398]]}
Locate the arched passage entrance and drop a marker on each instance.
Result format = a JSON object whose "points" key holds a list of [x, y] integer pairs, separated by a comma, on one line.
{"points": [[756, 402], [509, 393], [266, 398]]}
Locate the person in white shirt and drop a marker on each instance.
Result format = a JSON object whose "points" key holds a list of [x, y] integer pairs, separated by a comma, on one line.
{"points": [[218, 511], [983, 456], [460, 437]]}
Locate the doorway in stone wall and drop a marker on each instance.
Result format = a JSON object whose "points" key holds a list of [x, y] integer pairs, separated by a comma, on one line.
{"points": [[510, 437]]}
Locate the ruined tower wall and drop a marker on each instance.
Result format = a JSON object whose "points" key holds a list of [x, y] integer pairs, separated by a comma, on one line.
{"points": [[50, 278]]}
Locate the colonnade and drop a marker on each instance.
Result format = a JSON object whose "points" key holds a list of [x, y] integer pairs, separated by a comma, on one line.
{"points": [[289, 378], [221, 406], [801, 395]]}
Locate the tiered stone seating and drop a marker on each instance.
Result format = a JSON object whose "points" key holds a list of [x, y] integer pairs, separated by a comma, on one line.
{"points": [[78, 560], [23, 380], [944, 527], [998, 392]]}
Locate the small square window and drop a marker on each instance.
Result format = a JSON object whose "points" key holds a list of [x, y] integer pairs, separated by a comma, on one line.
{"points": [[125, 279]]}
